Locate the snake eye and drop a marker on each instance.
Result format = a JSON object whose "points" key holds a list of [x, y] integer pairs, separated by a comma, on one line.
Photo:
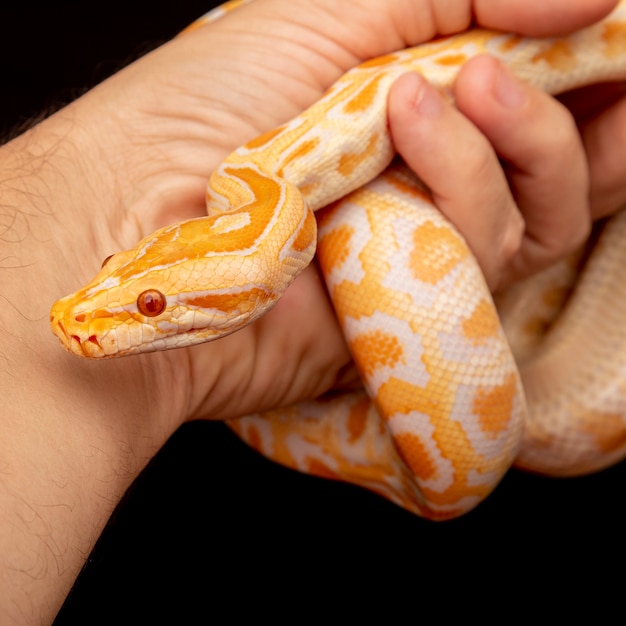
{"points": [[151, 302], [106, 260]]}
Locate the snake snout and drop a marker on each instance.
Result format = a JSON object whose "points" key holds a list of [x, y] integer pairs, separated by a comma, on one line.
{"points": [[73, 332]]}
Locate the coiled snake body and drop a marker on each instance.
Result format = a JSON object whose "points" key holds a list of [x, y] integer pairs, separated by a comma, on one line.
{"points": [[447, 409]]}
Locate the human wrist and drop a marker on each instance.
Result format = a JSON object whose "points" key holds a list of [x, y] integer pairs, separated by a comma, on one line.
{"points": [[74, 435]]}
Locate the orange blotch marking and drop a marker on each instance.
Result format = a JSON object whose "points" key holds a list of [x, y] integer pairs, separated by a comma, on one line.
{"points": [[401, 397], [436, 252], [376, 349], [349, 162], [615, 37], [387, 59], [195, 239], [453, 60], [251, 436], [435, 402], [193, 26], [608, 431], [308, 189], [559, 56], [510, 44], [264, 139], [364, 98], [363, 299], [273, 446], [243, 301], [300, 152], [306, 234], [317, 468], [451, 496], [416, 456], [334, 247], [536, 327], [494, 407], [483, 324], [556, 296], [357, 419]]}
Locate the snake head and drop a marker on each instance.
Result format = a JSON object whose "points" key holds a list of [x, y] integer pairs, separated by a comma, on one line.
{"points": [[169, 291], [194, 281]]}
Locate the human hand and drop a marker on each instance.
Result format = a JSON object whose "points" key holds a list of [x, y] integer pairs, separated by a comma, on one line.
{"points": [[130, 156], [600, 112], [542, 181], [301, 61]]}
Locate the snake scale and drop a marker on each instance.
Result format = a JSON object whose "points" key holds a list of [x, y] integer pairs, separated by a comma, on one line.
{"points": [[448, 403]]}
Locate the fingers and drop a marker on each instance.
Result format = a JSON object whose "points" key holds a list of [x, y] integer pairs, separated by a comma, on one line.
{"points": [[507, 168], [604, 138], [455, 160], [543, 155], [540, 19]]}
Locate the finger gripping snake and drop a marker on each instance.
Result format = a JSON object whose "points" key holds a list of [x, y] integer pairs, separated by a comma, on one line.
{"points": [[446, 407]]}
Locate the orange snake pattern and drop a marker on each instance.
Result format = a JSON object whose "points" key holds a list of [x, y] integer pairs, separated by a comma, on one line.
{"points": [[449, 403]]}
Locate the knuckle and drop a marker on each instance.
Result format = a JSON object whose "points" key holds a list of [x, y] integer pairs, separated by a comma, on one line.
{"points": [[513, 237]]}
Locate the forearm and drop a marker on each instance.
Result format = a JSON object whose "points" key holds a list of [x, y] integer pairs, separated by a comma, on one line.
{"points": [[69, 444], [131, 155]]}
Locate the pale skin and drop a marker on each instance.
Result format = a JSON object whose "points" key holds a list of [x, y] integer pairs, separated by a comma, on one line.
{"points": [[134, 154]]}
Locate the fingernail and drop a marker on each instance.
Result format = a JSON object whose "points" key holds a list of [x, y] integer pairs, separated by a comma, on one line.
{"points": [[508, 89], [426, 99]]}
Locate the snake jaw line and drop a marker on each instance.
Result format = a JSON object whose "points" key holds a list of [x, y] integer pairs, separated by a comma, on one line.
{"points": [[89, 325]]}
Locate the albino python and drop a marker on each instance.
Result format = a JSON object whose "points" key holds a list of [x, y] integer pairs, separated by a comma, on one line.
{"points": [[445, 410]]}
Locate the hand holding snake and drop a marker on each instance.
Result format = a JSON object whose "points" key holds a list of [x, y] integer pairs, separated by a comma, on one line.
{"points": [[133, 155], [457, 426]]}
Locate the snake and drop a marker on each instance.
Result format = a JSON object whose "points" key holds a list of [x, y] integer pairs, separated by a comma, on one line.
{"points": [[456, 387]]}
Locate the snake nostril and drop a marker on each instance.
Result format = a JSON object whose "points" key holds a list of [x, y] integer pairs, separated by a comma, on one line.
{"points": [[80, 318]]}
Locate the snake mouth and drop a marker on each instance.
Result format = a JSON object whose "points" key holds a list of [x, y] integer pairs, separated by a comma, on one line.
{"points": [[88, 347]]}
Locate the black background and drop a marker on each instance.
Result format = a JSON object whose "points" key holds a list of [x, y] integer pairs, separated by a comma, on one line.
{"points": [[211, 529]]}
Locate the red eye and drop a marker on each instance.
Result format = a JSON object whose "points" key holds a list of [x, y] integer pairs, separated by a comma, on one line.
{"points": [[151, 303]]}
